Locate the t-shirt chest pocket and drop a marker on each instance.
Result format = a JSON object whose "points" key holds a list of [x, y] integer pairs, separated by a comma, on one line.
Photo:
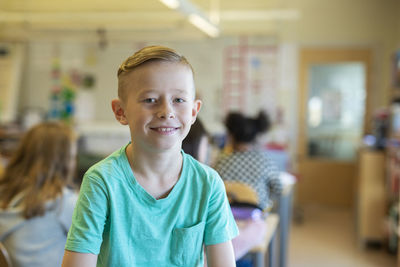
{"points": [[187, 245]]}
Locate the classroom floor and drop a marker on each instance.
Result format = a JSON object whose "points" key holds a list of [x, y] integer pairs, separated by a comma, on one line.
{"points": [[327, 238]]}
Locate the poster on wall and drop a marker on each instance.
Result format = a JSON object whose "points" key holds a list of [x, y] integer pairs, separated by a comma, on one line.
{"points": [[250, 82], [262, 84], [71, 95]]}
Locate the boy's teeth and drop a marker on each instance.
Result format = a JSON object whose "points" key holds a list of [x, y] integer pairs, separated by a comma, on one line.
{"points": [[165, 129]]}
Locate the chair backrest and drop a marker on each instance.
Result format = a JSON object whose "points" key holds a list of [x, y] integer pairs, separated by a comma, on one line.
{"points": [[5, 260], [240, 192]]}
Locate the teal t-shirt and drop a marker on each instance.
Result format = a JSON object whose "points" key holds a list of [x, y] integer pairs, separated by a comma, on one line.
{"points": [[118, 220]]}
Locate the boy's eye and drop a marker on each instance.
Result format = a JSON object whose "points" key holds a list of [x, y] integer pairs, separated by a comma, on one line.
{"points": [[149, 100], [179, 100]]}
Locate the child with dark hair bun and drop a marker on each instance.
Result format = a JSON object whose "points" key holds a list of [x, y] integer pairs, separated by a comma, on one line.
{"points": [[244, 129], [252, 232], [247, 162]]}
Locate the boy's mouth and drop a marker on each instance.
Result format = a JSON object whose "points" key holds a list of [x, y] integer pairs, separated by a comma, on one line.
{"points": [[165, 129]]}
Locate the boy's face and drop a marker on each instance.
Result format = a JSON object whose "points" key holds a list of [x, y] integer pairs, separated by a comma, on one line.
{"points": [[159, 106]]}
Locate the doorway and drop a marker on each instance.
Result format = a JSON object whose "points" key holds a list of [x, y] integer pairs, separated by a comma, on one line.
{"points": [[333, 86]]}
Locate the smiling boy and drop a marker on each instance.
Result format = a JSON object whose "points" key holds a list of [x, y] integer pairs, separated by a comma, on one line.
{"points": [[149, 203]]}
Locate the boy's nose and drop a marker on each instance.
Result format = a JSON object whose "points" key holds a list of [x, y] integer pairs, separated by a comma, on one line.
{"points": [[166, 112]]}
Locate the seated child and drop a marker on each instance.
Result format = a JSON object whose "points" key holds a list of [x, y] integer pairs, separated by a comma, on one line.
{"points": [[248, 163], [36, 199], [252, 231]]}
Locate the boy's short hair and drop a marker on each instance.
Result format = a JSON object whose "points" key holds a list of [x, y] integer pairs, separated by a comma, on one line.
{"points": [[144, 55]]}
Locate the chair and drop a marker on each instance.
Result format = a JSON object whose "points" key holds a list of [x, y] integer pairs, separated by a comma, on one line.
{"points": [[5, 260], [241, 192]]}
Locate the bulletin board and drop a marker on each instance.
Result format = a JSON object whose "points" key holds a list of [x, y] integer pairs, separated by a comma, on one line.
{"points": [[250, 79]]}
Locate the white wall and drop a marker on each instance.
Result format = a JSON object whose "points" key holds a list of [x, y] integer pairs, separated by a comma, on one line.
{"points": [[205, 56], [359, 23]]}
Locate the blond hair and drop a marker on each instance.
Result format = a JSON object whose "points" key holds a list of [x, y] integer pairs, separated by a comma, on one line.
{"points": [[144, 55], [40, 168]]}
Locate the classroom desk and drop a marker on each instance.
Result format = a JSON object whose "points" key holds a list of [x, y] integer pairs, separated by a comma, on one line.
{"points": [[264, 254]]}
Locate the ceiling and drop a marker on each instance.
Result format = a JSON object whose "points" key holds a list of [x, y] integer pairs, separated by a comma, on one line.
{"points": [[22, 19]]}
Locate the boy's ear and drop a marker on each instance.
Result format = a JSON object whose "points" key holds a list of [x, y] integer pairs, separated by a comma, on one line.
{"points": [[119, 112], [196, 108]]}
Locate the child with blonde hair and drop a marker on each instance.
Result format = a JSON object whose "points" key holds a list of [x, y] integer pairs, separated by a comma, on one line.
{"points": [[149, 203], [36, 199]]}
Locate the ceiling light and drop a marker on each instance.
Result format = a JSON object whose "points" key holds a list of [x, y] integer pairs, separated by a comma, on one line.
{"points": [[173, 4], [203, 25], [195, 15]]}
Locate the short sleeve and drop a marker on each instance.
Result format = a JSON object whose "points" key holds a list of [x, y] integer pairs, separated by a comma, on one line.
{"points": [[89, 217], [220, 224]]}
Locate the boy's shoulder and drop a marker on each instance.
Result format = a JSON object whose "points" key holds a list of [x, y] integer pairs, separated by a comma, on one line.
{"points": [[113, 163], [204, 171]]}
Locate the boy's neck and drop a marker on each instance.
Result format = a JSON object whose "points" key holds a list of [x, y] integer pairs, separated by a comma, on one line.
{"points": [[157, 173], [242, 147], [146, 161]]}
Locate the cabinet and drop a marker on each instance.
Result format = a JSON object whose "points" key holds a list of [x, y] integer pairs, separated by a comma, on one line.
{"points": [[393, 179], [371, 197]]}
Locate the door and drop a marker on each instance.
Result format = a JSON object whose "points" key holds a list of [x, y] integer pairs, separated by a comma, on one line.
{"points": [[333, 85]]}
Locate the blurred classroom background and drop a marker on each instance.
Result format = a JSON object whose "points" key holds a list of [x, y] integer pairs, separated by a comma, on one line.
{"points": [[328, 73]]}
